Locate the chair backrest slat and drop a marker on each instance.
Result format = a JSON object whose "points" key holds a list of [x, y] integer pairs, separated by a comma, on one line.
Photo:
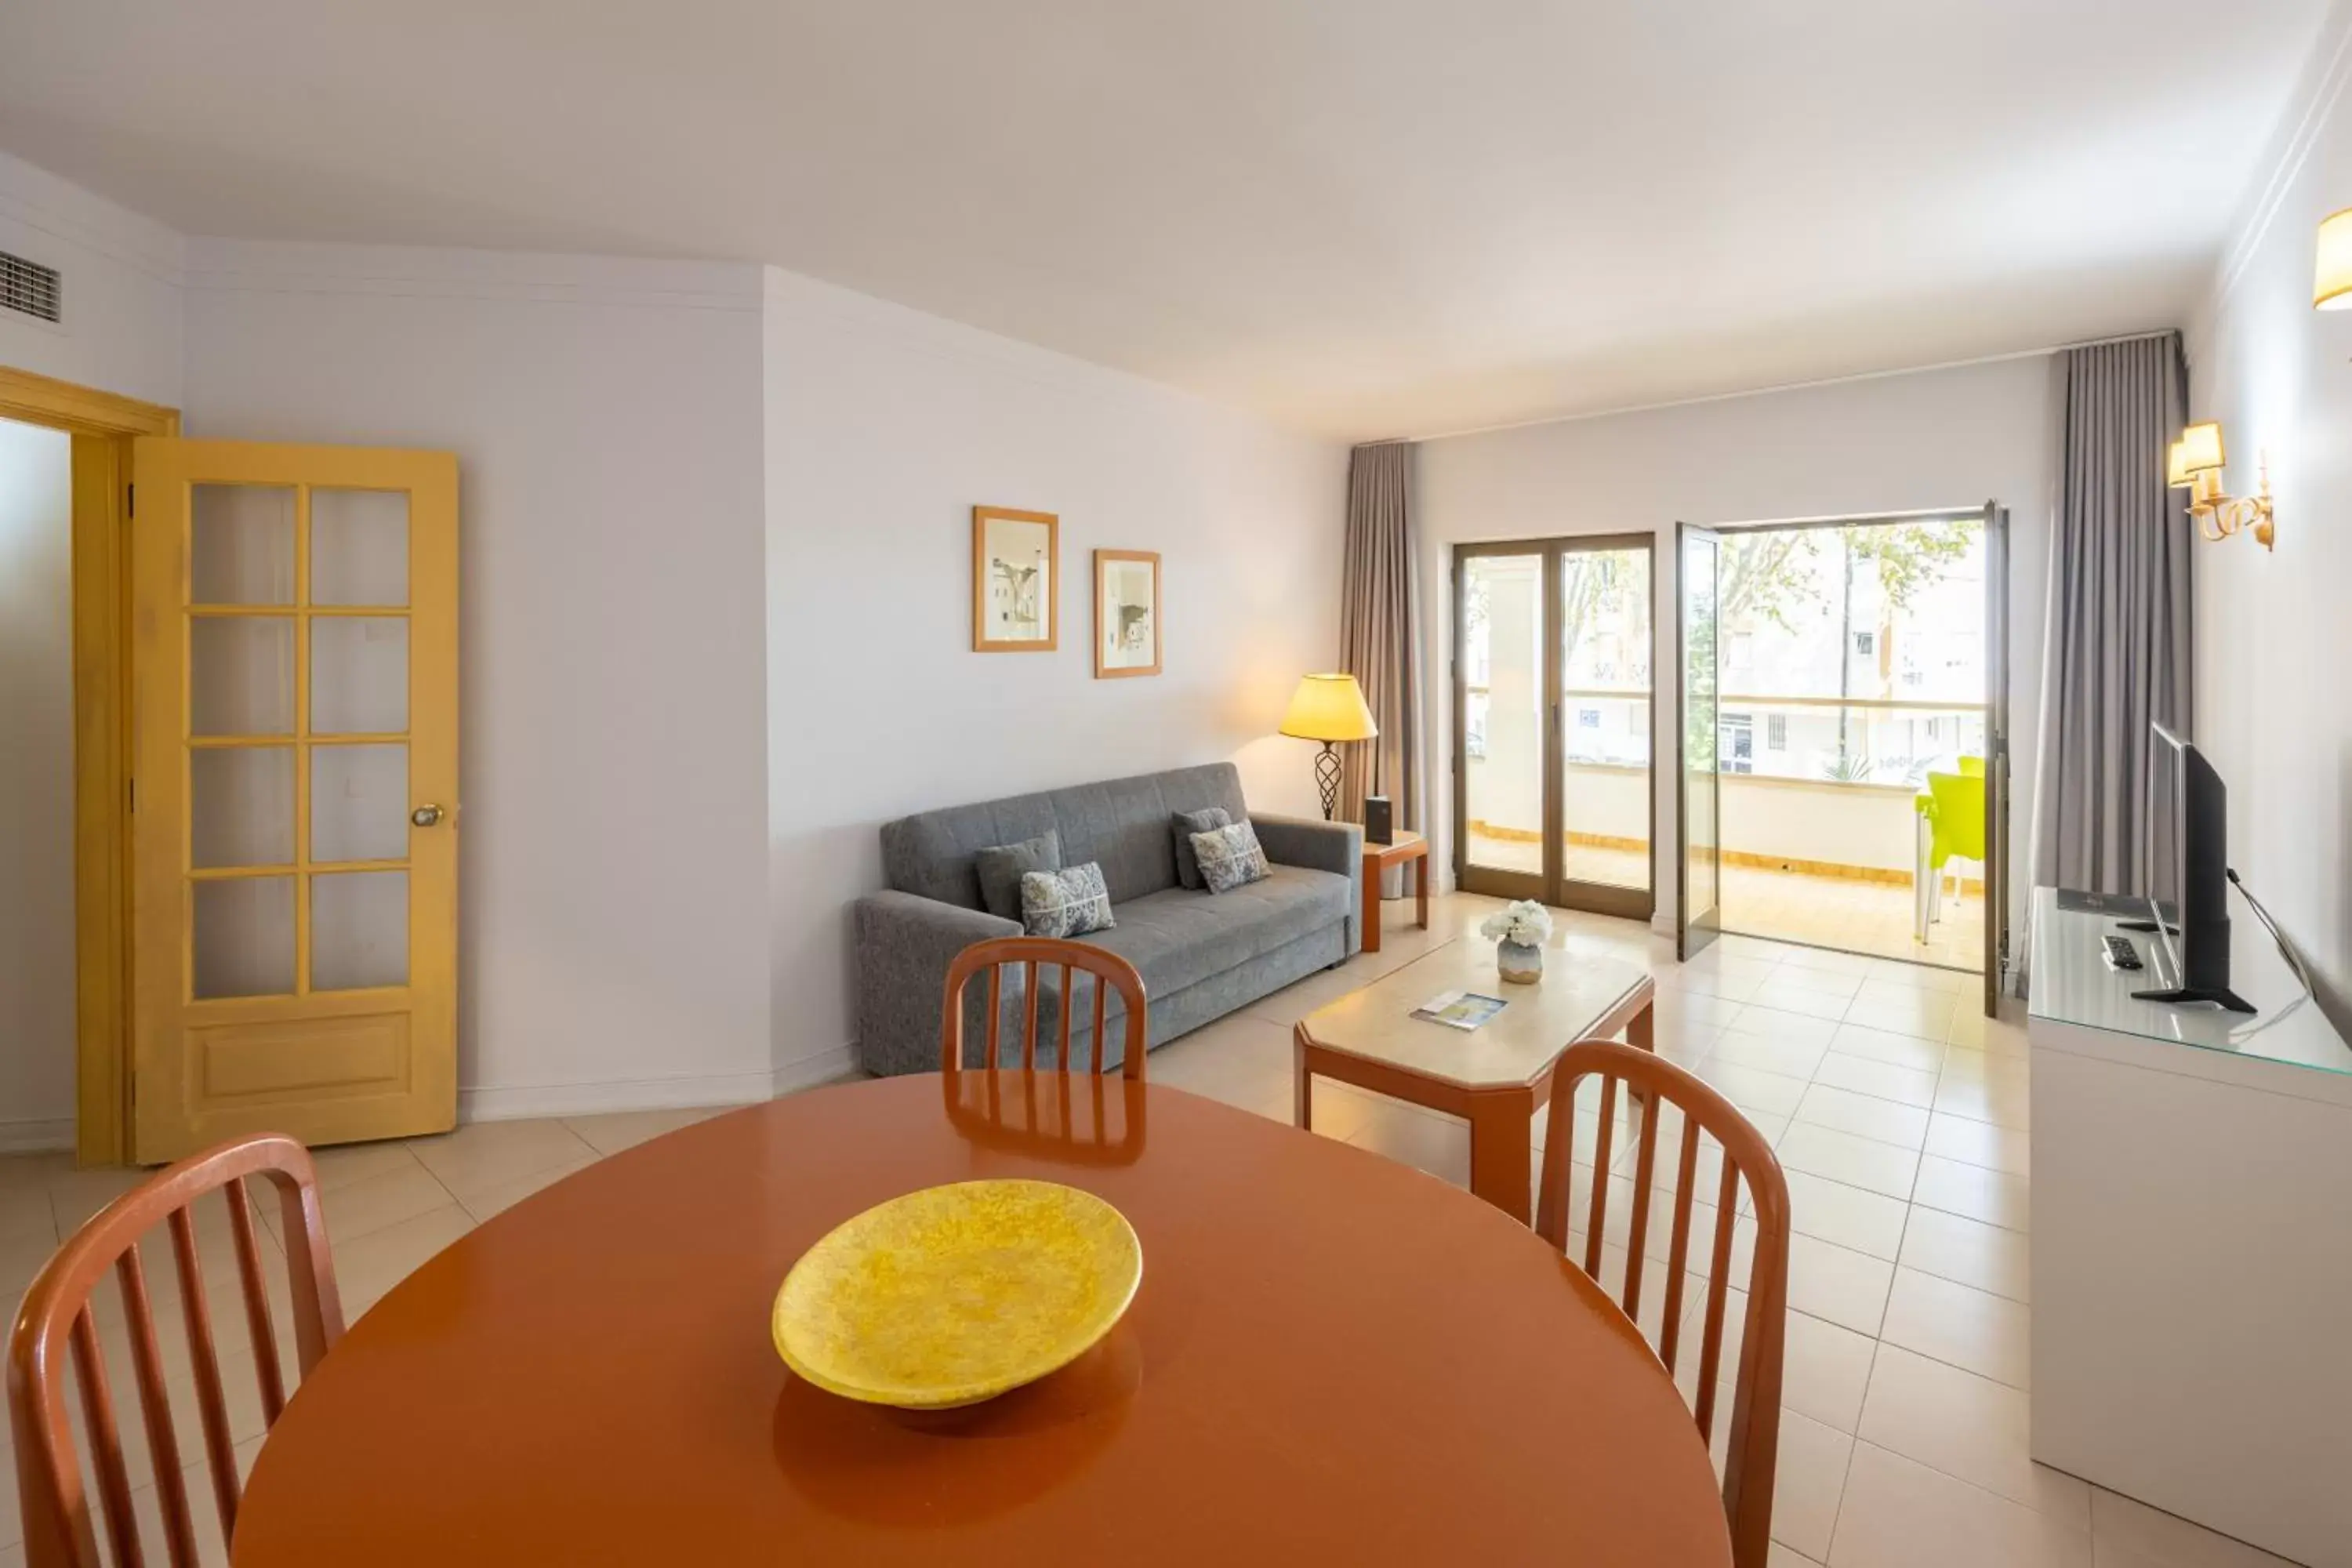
{"points": [[1645, 1159], [995, 1007], [156, 1408], [1035, 954], [105, 1452], [1597, 1216], [1029, 1030], [257, 1307], [1752, 1439], [1678, 1251], [1068, 1007], [55, 1326], [212, 1399]]}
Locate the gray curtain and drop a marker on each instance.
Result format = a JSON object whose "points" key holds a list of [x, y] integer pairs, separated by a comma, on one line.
{"points": [[2117, 655], [1380, 632]]}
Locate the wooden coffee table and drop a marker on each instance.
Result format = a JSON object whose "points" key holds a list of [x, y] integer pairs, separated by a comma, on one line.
{"points": [[1496, 1076]]}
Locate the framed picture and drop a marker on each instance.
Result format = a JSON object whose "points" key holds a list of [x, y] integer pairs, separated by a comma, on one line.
{"points": [[1016, 579], [1127, 613]]}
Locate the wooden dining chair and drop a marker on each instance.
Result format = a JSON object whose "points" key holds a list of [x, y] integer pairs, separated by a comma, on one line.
{"points": [[1752, 1440], [1110, 971], [56, 1322]]}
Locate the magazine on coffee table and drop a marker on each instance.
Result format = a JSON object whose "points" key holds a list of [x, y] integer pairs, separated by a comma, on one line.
{"points": [[1460, 1009]]}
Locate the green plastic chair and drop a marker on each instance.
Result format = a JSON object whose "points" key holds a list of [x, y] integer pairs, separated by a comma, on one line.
{"points": [[1953, 806]]}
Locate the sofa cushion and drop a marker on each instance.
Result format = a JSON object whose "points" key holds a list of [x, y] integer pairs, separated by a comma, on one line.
{"points": [[1188, 860], [1230, 856], [1122, 824], [1001, 868], [1064, 903], [1176, 937]]}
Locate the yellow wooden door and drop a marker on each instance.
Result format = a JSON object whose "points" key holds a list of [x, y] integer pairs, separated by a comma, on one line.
{"points": [[294, 810]]}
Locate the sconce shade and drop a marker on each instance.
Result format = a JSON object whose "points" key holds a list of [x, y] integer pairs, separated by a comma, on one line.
{"points": [[2175, 475], [1329, 708], [2331, 288], [2198, 450]]}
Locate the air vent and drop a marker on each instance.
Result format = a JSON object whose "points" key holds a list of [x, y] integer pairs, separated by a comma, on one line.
{"points": [[30, 288]]}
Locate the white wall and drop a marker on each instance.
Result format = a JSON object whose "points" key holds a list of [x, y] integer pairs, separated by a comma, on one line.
{"points": [[605, 416], [1955, 438], [36, 787], [2274, 638], [884, 428], [121, 289]]}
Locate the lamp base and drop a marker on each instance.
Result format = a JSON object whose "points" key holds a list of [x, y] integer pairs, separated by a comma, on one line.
{"points": [[1326, 780]]}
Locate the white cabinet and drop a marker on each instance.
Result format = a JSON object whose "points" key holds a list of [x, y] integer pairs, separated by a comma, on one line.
{"points": [[2192, 1241]]}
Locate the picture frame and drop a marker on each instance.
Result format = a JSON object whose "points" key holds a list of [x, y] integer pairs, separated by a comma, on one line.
{"points": [[1127, 614], [1016, 571]]}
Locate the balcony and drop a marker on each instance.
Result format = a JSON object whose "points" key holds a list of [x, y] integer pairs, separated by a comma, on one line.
{"points": [[1818, 835]]}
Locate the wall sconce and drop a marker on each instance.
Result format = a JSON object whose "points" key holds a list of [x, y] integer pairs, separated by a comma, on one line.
{"points": [[2194, 463], [2331, 286]]}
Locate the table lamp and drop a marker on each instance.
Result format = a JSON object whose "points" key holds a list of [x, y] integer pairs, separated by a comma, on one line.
{"points": [[1329, 708]]}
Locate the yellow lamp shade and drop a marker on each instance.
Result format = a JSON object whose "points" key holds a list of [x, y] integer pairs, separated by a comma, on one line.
{"points": [[2174, 474], [1329, 708], [2331, 288], [2198, 451]]}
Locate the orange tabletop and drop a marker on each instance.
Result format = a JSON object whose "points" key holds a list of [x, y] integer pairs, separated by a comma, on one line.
{"points": [[1333, 1358]]}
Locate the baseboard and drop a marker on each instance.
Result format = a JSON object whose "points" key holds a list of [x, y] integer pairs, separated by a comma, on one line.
{"points": [[37, 1137], [519, 1102]]}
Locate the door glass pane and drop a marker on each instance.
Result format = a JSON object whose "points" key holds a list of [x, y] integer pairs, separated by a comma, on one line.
{"points": [[241, 675], [1701, 812], [241, 806], [1605, 716], [243, 937], [1503, 691], [359, 929], [359, 675], [359, 803], [241, 544], [358, 547]]}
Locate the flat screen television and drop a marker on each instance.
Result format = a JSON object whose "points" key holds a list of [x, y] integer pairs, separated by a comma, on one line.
{"points": [[2191, 806]]}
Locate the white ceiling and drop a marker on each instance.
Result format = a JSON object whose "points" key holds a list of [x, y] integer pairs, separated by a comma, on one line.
{"points": [[1364, 216]]}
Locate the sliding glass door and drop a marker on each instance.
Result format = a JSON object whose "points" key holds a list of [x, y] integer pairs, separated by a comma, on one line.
{"points": [[1553, 798]]}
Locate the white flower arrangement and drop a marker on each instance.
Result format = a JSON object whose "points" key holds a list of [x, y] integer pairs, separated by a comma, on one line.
{"points": [[1525, 922]]}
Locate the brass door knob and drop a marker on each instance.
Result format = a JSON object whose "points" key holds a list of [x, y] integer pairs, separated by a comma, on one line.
{"points": [[427, 815]]}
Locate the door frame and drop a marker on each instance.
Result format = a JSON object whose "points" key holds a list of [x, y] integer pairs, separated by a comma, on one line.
{"points": [[1694, 936], [1552, 884], [102, 425]]}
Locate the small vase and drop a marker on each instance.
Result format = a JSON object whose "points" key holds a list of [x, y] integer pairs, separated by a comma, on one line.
{"points": [[1520, 964]]}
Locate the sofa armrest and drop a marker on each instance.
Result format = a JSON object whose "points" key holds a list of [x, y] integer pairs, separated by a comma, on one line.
{"points": [[1318, 846], [904, 943], [1335, 847]]}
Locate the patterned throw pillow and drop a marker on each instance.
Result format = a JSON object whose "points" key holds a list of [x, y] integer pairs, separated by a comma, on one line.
{"points": [[1069, 902], [1188, 823], [1230, 856]]}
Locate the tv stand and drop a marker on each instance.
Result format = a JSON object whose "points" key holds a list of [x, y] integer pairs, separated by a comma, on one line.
{"points": [[2225, 998], [2192, 1241]]}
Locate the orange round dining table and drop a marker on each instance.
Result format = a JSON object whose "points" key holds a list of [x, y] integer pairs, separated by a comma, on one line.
{"points": [[1332, 1359]]}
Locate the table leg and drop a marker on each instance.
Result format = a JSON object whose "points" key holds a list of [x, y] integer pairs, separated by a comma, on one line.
{"points": [[1372, 908], [1641, 1029], [1502, 1165], [1302, 1092], [1420, 891]]}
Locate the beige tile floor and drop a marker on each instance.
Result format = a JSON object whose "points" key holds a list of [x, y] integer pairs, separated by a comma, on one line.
{"points": [[1898, 1112], [1871, 917]]}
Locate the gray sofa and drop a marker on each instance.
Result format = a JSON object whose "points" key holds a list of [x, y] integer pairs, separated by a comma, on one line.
{"points": [[1202, 955]]}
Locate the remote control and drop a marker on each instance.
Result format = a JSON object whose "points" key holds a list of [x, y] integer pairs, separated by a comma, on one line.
{"points": [[2121, 953]]}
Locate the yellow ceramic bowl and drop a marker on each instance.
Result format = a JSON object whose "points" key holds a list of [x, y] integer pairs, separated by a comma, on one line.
{"points": [[952, 1295]]}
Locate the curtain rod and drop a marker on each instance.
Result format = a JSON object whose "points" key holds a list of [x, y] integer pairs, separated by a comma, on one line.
{"points": [[2041, 352]]}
